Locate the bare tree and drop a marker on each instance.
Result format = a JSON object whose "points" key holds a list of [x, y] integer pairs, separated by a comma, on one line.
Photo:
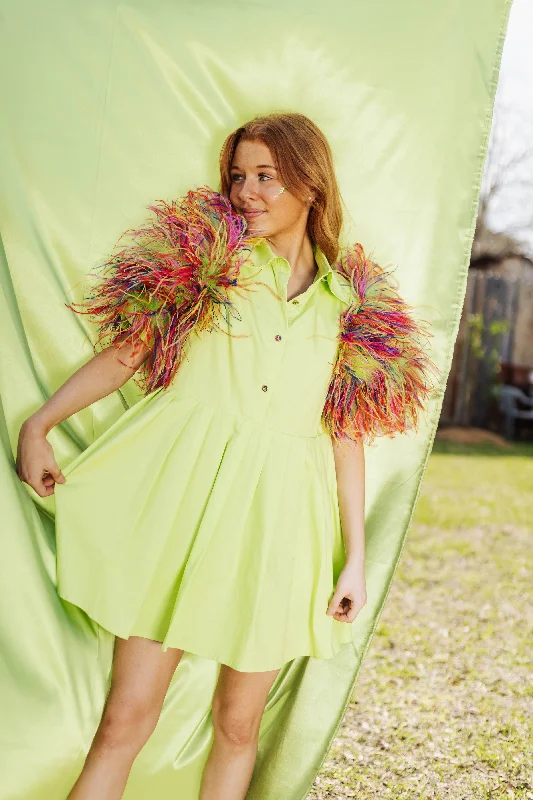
{"points": [[506, 198]]}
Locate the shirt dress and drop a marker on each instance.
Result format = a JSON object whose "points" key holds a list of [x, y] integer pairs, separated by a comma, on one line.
{"points": [[206, 517]]}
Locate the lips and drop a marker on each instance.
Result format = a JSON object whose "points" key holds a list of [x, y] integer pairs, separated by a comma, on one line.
{"points": [[250, 213]]}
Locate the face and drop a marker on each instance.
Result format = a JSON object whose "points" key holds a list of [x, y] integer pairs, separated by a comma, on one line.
{"points": [[259, 195]]}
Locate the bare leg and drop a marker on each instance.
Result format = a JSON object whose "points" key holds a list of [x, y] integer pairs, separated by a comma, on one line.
{"points": [[238, 705], [140, 678]]}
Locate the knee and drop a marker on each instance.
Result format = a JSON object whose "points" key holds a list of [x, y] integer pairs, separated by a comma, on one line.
{"points": [[235, 724], [127, 725]]}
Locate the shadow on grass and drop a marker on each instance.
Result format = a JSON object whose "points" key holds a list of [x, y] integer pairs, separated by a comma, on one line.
{"points": [[522, 449]]}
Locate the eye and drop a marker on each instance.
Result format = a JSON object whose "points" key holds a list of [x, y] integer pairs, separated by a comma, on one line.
{"points": [[236, 177]]}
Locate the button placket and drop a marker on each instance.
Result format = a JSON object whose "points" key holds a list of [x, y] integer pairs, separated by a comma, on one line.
{"points": [[282, 323]]}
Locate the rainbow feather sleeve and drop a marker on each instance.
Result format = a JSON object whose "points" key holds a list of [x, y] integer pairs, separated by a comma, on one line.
{"points": [[383, 376], [175, 275]]}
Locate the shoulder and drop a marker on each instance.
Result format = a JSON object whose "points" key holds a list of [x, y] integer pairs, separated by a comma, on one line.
{"points": [[383, 374], [195, 242], [202, 217], [362, 279], [170, 276], [378, 322]]}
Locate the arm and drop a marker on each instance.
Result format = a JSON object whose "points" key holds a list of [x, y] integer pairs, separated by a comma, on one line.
{"points": [[350, 471], [381, 379], [104, 373]]}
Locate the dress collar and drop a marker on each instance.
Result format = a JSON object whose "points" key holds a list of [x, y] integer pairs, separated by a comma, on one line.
{"points": [[263, 255], [325, 270]]}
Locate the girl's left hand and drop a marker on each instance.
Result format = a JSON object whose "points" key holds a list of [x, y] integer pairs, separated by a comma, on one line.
{"points": [[350, 593]]}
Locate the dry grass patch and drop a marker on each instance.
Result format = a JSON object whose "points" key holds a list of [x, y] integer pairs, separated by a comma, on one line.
{"points": [[443, 705]]}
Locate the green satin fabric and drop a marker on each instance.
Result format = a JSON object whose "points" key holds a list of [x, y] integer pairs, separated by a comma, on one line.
{"points": [[109, 106]]}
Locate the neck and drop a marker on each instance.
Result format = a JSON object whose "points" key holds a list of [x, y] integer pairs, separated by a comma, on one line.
{"points": [[298, 250]]}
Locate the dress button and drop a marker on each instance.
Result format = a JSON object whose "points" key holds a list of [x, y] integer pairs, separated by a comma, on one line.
{"points": [[264, 387], [277, 337], [295, 302]]}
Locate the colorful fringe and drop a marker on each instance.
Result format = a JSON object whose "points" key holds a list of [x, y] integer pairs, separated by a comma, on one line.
{"points": [[382, 375], [173, 278], [177, 274]]}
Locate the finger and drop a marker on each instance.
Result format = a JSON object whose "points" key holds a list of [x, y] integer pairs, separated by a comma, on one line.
{"points": [[353, 612], [335, 602], [345, 608], [56, 473], [41, 484], [344, 616]]}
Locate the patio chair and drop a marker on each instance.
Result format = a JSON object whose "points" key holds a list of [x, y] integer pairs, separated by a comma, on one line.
{"points": [[510, 397]]}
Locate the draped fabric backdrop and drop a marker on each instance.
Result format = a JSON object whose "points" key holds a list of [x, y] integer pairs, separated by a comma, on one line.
{"points": [[109, 106]]}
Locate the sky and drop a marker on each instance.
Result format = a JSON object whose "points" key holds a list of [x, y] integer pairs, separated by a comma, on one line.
{"points": [[517, 58], [514, 114]]}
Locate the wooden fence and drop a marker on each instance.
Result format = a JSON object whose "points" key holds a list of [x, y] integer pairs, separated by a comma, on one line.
{"points": [[494, 345]]}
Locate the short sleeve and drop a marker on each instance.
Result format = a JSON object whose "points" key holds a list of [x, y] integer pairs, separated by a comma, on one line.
{"points": [[383, 375], [172, 276]]}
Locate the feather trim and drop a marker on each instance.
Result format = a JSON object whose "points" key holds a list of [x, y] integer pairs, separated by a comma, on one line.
{"points": [[382, 375], [174, 276]]}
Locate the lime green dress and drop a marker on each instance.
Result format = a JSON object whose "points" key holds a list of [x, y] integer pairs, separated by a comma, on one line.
{"points": [[206, 517]]}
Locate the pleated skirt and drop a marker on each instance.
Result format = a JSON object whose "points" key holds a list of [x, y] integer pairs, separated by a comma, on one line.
{"points": [[204, 531]]}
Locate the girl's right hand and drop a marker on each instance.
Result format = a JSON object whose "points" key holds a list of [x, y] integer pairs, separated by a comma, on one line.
{"points": [[36, 464]]}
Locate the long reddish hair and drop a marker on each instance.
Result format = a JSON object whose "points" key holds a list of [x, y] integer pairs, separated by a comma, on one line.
{"points": [[304, 161]]}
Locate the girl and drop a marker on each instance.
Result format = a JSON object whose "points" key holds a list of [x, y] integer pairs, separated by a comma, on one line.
{"points": [[223, 513]]}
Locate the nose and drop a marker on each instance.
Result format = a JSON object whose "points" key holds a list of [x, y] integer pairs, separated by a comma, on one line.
{"points": [[247, 189]]}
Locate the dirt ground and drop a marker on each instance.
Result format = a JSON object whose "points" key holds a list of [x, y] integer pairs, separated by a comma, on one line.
{"points": [[472, 436]]}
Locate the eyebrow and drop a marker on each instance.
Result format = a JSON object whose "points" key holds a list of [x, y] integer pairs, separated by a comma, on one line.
{"points": [[258, 166]]}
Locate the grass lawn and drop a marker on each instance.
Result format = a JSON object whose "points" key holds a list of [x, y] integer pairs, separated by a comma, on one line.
{"points": [[443, 705]]}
